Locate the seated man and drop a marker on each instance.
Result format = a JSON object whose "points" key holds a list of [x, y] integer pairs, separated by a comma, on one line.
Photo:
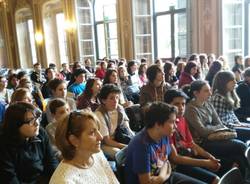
{"points": [[148, 152], [112, 117], [183, 142]]}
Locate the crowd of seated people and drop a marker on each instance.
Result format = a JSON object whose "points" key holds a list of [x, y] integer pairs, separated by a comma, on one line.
{"points": [[71, 126]]}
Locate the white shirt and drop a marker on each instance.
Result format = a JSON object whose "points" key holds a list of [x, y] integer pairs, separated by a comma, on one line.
{"points": [[113, 115], [99, 173]]}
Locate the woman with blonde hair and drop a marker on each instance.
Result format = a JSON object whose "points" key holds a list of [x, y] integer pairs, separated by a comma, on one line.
{"points": [[79, 140]]}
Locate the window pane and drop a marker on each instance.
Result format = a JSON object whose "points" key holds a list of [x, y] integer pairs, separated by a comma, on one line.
{"points": [[82, 3], [85, 32], [84, 16], [113, 49], [111, 30], [141, 7], [86, 48], [163, 5], [105, 8], [180, 34], [101, 41], [164, 36], [143, 45], [142, 25]]}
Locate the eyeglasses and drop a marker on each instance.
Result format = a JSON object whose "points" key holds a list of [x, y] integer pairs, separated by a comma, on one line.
{"points": [[72, 115], [34, 121]]}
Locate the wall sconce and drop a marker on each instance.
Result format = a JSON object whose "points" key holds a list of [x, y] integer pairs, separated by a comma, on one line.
{"points": [[70, 26], [39, 37]]}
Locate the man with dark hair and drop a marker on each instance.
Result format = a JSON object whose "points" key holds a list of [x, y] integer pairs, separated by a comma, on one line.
{"points": [[183, 143], [148, 152], [37, 75], [79, 82]]}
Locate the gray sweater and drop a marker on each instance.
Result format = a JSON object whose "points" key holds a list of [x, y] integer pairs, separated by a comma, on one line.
{"points": [[202, 119]]}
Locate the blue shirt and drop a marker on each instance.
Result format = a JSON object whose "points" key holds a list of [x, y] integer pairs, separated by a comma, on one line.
{"points": [[144, 155], [77, 89]]}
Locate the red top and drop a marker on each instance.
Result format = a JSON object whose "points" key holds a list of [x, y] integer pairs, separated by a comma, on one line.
{"points": [[186, 139], [100, 73]]}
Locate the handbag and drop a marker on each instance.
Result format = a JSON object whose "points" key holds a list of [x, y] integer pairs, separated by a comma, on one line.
{"points": [[123, 135], [222, 134]]}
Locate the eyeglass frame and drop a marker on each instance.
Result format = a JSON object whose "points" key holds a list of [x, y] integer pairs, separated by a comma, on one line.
{"points": [[37, 116]]}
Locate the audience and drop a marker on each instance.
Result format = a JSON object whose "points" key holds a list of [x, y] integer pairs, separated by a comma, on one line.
{"points": [[79, 140], [187, 76]]}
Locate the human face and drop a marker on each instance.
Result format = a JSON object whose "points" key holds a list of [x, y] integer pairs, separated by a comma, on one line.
{"points": [[159, 76], [27, 98], [167, 129], [31, 127], [3, 83], [113, 78], [14, 81], [61, 91], [61, 112], [133, 68], [90, 139], [80, 78], [97, 86], [204, 93], [111, 102], [193, 70], [51, 74], [231, 85], [180, 103]]}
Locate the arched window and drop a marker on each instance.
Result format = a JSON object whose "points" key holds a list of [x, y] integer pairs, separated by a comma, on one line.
{"points": [[85, 24], [160, 28], [54, 32], [25, 37], [106, 28]]}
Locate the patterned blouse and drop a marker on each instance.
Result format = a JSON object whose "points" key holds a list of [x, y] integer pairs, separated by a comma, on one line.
{"points": [[225, 112]]}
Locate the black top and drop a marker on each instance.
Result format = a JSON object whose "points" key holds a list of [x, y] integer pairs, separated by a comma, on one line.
{"points": [[30, 161]]}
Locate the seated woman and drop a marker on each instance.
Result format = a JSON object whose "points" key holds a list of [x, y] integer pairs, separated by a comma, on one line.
{"points": [[155, 89], [79, 140], [89, 97], [26, 155], [111, 77], [170, 77], [111, 116], [203, 121], [225, 101], [58, 90], [188, 75], [243, 91]]}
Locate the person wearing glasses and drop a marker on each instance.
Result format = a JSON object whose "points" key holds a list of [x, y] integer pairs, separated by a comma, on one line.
{"points": [[79, 140], [26, 155]]}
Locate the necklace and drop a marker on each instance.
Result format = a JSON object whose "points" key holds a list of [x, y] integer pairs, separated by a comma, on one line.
{"points": [[84, 166]]}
